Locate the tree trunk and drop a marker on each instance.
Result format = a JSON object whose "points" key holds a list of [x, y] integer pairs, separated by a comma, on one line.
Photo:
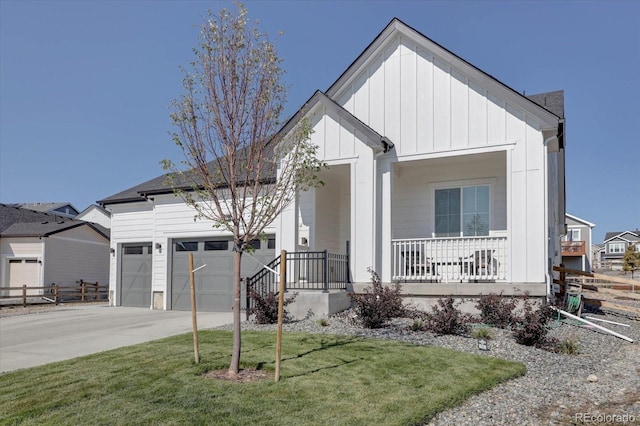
{"points": [[234, 368]]}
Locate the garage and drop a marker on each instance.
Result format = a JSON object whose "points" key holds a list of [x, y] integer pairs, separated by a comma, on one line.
{"points": [[135, 275], [214, 283], [23, 272]]}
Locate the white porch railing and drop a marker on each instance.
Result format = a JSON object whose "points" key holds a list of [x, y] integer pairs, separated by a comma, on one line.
{"points": [[449, 259]]}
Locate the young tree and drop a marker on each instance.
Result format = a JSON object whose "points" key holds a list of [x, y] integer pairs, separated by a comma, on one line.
{"points": [[631, 259], [238, 172]]}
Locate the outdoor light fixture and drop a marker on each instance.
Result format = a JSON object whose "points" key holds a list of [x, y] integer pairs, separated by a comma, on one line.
{"points": [[158, 246], [483, 344], [112, 250]]}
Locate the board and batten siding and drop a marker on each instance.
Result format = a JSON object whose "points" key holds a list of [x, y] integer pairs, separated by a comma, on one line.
{"points": [[76, 254], [414, 185]]}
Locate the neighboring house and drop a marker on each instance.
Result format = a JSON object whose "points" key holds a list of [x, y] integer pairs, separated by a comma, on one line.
{"points": [[95, 214], [615, 245], [440, 177], [597, 255], [576, 244], [59, 209], [39, 249]]}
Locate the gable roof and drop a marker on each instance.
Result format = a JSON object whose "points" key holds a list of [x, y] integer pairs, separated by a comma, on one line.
{"points": [[48, 207], [632, 236], [577, 219], [21, 222], [96, 207], [397, 27], [374, 139]]}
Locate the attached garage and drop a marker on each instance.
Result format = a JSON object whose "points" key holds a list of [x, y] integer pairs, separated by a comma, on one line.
{"points": [[23, 272], [214, 283], [135, 275]]}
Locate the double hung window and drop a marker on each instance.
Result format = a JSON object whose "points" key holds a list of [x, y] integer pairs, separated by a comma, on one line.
{"points": [[462, 211]]}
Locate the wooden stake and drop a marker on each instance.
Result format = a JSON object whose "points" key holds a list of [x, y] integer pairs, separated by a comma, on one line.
{"points": [[283, 272], [196, 351]]}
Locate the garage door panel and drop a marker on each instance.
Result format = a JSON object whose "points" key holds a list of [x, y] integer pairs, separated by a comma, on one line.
{"points": [[135, 275], [23, 272], [213, 284]]}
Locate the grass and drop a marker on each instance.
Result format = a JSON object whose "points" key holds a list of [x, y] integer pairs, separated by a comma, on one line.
{"points": [[324, 380]]}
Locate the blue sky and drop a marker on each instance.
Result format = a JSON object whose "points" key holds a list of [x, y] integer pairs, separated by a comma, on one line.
{"points": [[85, 86]]}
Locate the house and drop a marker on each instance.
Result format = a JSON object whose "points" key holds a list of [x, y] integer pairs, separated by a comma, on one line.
{"points": [[597, 253], [38, 249], [95, 214], [615, 245], [440, 177], [58, 208], [576, 244]]}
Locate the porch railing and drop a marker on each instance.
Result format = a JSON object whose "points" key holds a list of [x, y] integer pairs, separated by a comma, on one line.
{"points": [[306, 270], [573, 248], [450, 259]]}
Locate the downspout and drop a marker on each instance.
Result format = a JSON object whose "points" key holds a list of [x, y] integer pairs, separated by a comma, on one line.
{"points": [[549, 266]]}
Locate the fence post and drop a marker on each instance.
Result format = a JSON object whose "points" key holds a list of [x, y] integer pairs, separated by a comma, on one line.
{"points": [[82, 290], [246, 291], [24, 295], [95, 293], [325, 271], [347, 277], [56, 293]]}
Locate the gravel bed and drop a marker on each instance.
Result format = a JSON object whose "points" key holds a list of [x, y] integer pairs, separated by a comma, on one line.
{"points": [[603, 379]]}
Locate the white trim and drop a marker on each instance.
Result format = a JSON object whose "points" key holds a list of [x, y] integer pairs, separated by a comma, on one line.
{"points": [[490, 182], [453, 152], [577, 219]]}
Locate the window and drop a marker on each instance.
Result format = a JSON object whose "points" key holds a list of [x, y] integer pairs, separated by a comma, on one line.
{"points": [[462, 211], [187, 246], [255, 244], [573, 235], [216, 245], [271, 243], [616, 248], [133, 249]]}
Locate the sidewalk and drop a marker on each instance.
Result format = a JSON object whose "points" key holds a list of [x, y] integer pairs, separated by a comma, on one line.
{"points": [[71, 331]]}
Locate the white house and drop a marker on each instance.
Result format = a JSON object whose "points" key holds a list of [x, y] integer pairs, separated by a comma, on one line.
{"points": [[95, 214], [441, 177]]}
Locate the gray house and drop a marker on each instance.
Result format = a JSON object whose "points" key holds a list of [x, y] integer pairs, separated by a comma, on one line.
{"points": [[576, 244], [615, 245]]}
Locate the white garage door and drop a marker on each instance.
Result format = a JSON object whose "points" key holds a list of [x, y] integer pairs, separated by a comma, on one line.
{"points": [[23, 272], [213, 284]]}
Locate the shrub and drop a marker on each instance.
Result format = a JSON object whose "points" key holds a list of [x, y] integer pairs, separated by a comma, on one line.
{"points": [[446, 318], [378, 303], [322, 322], [496, 310], [417, 325], [265, 310], [568, 347], [482, 333], [530, 328]]}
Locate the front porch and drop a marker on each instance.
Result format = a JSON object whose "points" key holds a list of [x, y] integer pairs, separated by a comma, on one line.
{"points": [[470, 259]]}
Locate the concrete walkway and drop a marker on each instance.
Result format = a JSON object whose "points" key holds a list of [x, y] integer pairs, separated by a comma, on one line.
{"points": [[68, 332]]}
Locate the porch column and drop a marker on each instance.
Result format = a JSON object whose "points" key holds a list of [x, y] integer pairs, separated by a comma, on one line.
{"points": [[384, 218], [287, 228]]}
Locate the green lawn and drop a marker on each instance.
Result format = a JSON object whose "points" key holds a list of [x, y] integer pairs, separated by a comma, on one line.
{"points": [[324, 380]]}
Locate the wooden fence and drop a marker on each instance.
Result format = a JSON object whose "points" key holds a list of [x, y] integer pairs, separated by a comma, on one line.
{"points": [[29, 295], [601, 290]]}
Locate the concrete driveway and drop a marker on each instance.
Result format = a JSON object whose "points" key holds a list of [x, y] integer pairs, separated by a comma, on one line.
{"points": [[68, 332]]}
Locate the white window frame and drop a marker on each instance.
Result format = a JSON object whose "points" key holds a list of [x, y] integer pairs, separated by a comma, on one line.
{"points": [[618, 245], [571, 233], [490, 182]]}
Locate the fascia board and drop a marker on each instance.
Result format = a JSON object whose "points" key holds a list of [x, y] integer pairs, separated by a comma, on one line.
{"points": [[577, 219]]}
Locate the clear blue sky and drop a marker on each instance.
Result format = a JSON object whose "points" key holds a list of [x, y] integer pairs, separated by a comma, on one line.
{"points": [[85, 85]]}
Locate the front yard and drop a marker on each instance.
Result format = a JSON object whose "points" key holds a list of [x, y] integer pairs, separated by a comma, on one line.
{"points": [[325, 379]]}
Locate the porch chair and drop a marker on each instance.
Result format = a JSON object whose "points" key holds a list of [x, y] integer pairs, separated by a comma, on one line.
{"points": [[479, 263], [415, 263]]}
